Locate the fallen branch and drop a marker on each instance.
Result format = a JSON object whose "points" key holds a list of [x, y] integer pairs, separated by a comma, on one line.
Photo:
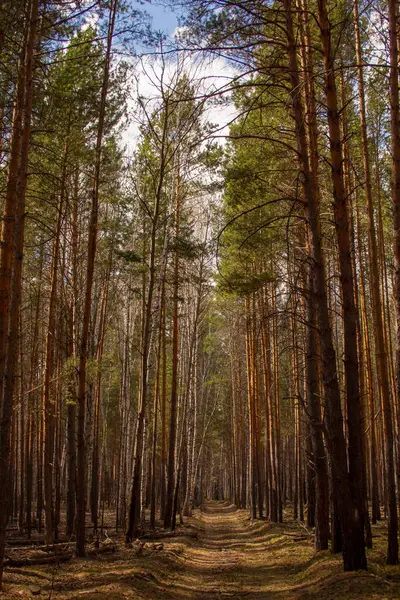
{"points": [[36, 542], [55, 558], [40, 546], [38, 560]]}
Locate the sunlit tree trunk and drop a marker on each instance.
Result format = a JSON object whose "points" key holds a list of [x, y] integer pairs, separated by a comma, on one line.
{"points": [[169, 507], [48, 401], [10, 371], [393, 544]]}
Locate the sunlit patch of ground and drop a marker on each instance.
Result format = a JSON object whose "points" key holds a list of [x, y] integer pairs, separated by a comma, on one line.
{"points": [[232, 558]]}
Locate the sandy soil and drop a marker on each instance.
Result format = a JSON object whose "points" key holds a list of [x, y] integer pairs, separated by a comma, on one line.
{"points": [[231, 558]]}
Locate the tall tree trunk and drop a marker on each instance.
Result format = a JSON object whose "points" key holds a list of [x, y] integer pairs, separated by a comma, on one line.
{"points": [[33, 378], [163, 461], [47, 402], [251, 417], [393, 544], [155, 416], [91, 254], [10, 202], [314, 410], [16, 280], [351, 368], [95, 489], [175, 365], [72, 334]]}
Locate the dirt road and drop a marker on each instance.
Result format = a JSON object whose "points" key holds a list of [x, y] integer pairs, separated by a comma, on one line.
{"points": [[231, 558]]}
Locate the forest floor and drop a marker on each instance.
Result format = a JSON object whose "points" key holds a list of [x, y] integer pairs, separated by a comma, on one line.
{"points": [[224, 556]]}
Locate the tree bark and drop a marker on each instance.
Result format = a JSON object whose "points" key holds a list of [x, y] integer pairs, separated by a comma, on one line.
{"points": [[16, 280], [392, 556]]}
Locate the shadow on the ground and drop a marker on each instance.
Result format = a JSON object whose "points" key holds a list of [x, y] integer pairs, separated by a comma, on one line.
{"points": [[233, 558]]}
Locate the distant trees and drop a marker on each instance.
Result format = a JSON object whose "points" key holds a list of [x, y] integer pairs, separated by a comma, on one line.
{"points": [[168, 161]]}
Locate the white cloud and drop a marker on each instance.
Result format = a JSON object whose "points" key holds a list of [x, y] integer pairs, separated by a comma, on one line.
{"points": [[211, 77]]}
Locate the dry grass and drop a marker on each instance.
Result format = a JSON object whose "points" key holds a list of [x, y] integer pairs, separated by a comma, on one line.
{"points": [[232, 558]]}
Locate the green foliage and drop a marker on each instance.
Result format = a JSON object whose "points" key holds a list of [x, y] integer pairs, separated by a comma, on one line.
{"points": [[185, 247], [129, 256], [236, 282], [254, 216]]}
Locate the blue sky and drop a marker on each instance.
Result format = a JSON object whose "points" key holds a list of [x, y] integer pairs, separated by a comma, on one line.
{"points": [[163, 18]]}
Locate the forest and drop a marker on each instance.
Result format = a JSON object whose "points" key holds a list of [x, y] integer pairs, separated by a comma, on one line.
{"points": [[200, 299]]}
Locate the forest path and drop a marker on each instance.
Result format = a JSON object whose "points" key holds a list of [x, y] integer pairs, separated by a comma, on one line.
{"points": [[230, 558], [214, 568]]}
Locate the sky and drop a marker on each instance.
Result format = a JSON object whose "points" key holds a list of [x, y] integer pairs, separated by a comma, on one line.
{"points": [[214, 74], [163, 19]]}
